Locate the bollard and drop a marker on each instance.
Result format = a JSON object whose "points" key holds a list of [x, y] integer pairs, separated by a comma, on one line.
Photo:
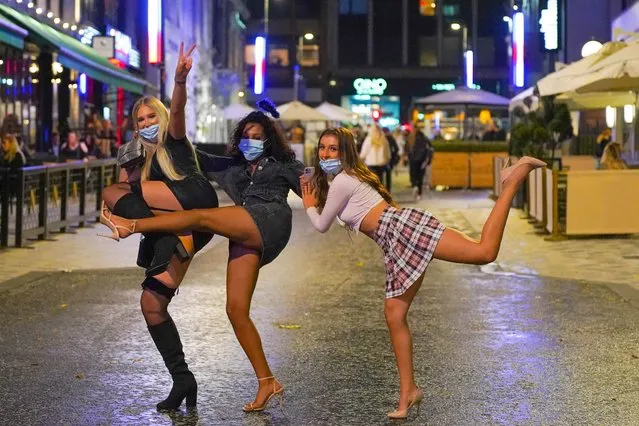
{"points": [[556, 235]]}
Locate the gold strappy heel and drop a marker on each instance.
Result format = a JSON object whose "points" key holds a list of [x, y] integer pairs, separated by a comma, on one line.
{"points": [[250, 407]]}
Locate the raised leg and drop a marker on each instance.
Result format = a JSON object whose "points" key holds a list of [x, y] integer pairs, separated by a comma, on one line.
{"points": [[233, 222], [396, 312], [457, 247]]}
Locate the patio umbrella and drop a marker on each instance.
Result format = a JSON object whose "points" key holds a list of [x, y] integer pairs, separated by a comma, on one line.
{"points": [[464, 96], [335, 112], [596, 100], [237, 111], [298, 111], [617, 72], [566, 79]]}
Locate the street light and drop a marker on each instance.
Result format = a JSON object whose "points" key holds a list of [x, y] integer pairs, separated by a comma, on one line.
{"points": [[300, 48], [466, 53]]}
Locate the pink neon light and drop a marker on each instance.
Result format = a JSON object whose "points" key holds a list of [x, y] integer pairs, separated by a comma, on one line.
{"points": [[155, 31]]}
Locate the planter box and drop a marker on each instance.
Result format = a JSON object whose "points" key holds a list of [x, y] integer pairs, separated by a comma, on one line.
{"points": [[459, 169]]}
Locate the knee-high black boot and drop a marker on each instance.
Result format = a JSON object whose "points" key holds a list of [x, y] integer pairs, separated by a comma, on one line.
{"points": [[167, 340], [156, 248]]}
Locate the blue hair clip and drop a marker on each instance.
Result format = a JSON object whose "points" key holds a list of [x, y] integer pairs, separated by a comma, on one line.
{"points": [[265, 105]]}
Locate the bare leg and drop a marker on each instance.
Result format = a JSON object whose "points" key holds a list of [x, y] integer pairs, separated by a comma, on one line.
{"points": [[457, 247], [396, 311], [241, 276], [234, 223]]}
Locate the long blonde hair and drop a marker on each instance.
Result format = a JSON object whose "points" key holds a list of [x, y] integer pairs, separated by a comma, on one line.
{"points": [[611, 158], [13, 147], [351, 165], [159, 149]]}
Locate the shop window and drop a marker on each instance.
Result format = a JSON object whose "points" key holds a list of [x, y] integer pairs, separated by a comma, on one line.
{"points": [[277, 55], [310, 56], [428, 51], [353, 7], [450, 10], [427, 7]]}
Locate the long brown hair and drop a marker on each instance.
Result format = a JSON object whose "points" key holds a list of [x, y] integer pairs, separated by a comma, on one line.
{"points": [[351, 165]]}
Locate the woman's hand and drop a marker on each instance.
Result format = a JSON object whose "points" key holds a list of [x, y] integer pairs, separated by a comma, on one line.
{"points": [[308, 196], [184, 63]]}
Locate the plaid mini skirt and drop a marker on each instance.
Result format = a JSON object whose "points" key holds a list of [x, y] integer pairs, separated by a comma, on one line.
{"points": [[408, 238]]}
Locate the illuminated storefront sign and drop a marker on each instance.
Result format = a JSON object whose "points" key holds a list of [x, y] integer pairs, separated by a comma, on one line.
{"points": [[124, 51], [549, 25], [370, 86]]}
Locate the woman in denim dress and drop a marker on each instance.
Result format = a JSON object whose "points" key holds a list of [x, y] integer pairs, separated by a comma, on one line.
{"points": [[257, 175]]}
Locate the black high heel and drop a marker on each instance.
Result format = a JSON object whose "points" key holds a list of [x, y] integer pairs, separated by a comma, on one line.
{"points": [[184, 387]]}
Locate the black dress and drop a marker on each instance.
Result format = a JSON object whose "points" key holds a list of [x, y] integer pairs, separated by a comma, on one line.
{"points": [[192, 192], [263, 193]]}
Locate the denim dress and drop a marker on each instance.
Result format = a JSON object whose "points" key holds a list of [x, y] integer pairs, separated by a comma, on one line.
{"points": [[262, 193]]}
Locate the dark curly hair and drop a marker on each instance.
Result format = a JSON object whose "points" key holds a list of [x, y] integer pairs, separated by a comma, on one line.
{"points": [[275, 144]]}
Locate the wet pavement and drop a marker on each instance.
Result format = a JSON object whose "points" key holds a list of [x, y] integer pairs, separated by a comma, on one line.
{"points": [[490, 348]]}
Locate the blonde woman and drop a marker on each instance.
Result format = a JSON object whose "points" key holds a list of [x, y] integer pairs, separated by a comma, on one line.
{"points": [[12, 157], [167, 178], [376, 152], [408, 237], [611, 158]]}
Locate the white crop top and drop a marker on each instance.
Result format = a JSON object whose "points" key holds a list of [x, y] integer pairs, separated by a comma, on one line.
{"points": [[349, 199]]}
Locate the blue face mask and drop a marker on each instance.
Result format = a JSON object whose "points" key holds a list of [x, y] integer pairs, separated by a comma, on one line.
{"points": [[332, 166], [251, 148], [150, 133]]}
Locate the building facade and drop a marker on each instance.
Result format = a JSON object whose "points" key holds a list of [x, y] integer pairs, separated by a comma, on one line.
{"points": [[74, 64], [379, 52]]}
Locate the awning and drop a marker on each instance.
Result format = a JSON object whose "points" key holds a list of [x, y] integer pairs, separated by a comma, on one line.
{"points": [[73, 54], [12, 34]]}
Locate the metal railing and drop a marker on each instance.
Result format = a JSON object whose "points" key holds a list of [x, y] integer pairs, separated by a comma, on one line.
{"points": [[39, 200]]}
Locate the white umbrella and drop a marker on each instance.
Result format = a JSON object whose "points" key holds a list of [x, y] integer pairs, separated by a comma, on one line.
{"points": [[237, 111], [464, 96], [596, 100], [567, 78], [617, 72], [298, 111], [335, 112]]}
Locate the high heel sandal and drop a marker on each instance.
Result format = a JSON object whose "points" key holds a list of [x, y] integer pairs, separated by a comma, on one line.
{"points": [[507, 171], [417, 398], [112, 226], [250, 407]]}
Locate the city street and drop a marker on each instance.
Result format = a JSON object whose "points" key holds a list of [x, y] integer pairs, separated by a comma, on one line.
{"points": [[493, 345]]}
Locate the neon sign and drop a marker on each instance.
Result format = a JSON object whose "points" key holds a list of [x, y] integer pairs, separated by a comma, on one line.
{"points": [[154, 17], [260, 65], [518, 49], [370, 86], [469, 57], [549, 25]]}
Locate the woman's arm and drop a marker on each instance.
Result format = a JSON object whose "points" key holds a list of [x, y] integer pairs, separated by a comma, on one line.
{"points": [[294, 171], [210, 163], [339, 194], [177, 120]]}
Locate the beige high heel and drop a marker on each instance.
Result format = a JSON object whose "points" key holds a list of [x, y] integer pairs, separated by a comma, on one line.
{"points": [[112, 226], [250, 407], [417, 398], [534, 162]]}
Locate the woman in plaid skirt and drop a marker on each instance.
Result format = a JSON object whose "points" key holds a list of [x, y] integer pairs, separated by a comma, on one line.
{"points": [[409, 237]]}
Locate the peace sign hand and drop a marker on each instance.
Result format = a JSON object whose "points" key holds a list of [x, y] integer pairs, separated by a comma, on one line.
{"points": [[184, 63]]}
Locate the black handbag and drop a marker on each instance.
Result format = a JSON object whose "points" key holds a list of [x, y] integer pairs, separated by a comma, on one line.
{"points": [[131, 154]]}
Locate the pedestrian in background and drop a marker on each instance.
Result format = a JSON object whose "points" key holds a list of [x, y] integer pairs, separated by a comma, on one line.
{"points": [[376, 152], [409, 237], [602, 141], [417, 147], [394, 157]]}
